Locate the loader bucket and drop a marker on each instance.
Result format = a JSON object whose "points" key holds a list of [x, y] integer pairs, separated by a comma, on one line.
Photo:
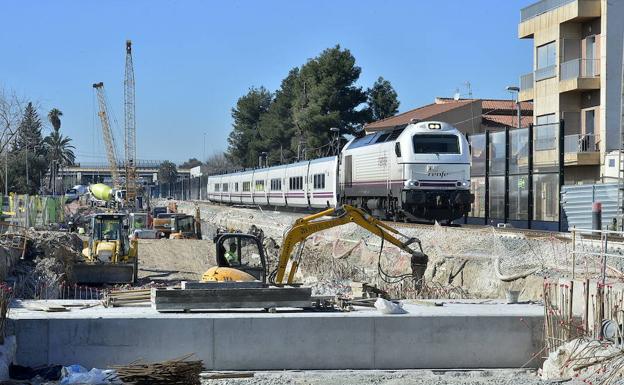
{"points": [[97, 274]]}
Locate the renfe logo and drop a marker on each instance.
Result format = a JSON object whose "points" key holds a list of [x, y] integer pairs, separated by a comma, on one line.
{"points": [[434, 170]]}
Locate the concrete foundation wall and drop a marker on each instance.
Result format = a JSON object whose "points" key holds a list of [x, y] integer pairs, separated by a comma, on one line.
{"points": [[452, 336]]}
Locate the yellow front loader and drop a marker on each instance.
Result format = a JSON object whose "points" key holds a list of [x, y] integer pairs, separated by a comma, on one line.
{"points": [[110, 257]]}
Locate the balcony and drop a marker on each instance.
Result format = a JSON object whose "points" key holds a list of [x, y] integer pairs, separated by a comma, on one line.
{"points": [[545, 73], [579, 74], [549, 13], [581, 150], [526, 87]]}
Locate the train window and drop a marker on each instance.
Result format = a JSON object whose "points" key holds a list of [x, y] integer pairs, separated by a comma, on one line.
{"points": [[295, 183], [395, 134], [236, 186], [225, 187], [436, 144], [276, 184], [260, 185], [217, 187], [382, 138], [397, 149], [319, 181], [246, 186]]}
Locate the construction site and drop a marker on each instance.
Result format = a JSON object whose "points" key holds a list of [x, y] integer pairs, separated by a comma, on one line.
{"points": [[448, 244], [338, 297]]}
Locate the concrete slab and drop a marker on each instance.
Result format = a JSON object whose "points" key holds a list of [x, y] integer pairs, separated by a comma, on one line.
{"points": [[456, 335]]}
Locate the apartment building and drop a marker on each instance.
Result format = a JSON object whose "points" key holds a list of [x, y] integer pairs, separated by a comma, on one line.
{"points": [[576, 77]]}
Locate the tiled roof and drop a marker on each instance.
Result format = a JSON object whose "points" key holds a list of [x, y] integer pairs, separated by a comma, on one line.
{"points": [[421, 113], [506, 120], [488, 104]]}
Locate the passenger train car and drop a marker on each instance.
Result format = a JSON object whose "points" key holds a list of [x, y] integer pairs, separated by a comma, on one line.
{"points": [[418, 172]]}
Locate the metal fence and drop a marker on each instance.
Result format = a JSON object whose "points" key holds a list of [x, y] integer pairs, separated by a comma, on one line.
{"points": [[33, 210], [516, 176], [577, 200]]}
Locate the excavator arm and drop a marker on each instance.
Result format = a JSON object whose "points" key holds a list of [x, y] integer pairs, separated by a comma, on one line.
{"points": [[304, 227]]}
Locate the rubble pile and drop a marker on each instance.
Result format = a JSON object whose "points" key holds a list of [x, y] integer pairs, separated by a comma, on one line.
{"points": [[46, 265]]}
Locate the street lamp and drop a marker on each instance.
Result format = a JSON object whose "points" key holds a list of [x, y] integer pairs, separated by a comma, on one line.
{"points": [[336, 132], [516, 90]]}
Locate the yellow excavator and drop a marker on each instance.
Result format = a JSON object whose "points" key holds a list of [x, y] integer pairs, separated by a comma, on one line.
{"points": [[240, 257], [109, 256]]}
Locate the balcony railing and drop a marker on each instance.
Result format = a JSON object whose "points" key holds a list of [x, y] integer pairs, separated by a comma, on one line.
{"points": [[526, 81], [579, 68], [579, 143], [541, 7], [545, 73]]}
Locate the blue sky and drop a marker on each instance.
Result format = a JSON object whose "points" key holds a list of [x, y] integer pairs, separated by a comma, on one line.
{"points": [[193, 59]]}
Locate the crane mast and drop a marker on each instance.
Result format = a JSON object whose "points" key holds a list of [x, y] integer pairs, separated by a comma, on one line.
{"points": [[107, 134], [130, 128]]}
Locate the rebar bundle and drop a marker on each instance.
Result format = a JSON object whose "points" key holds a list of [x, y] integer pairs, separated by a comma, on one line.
{"points": [[179, 371]]}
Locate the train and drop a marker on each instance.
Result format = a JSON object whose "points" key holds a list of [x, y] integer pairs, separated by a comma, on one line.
{"points": [[412, 173]]}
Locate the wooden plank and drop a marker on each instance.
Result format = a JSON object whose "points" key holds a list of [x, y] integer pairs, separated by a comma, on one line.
{"points": [[200, 299]]}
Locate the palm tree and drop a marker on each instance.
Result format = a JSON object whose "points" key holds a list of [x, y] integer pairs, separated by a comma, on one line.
{"points": [[60, 152], [54, 116]]}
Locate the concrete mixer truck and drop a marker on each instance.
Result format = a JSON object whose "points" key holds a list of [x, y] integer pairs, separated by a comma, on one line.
{"points": [[102, 195]]}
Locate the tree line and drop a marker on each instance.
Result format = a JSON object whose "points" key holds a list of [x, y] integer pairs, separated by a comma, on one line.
{"points": [[31, 160], [294, 122]]}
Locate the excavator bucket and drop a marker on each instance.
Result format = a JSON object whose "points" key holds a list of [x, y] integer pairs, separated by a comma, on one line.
{"points": [[104, 273]]}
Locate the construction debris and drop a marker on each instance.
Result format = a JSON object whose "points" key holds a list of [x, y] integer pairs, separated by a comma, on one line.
{"points": [[179, 371]]}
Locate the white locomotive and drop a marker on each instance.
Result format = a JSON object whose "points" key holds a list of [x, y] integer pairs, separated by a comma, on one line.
{"points": [[421, 171]]}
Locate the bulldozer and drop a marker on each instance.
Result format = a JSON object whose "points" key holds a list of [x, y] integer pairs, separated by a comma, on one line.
{"points": [[240, 257], [110, 257]]}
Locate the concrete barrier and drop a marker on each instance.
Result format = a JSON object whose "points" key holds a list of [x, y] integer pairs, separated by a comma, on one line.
{"points": [[457, 335]]}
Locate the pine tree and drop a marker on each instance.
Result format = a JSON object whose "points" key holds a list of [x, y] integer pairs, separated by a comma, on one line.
{"points": [[28, 162], [382, 100], [245, 141]]}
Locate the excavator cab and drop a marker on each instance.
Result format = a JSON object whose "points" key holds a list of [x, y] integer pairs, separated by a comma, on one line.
{"points": [[240, 257]]}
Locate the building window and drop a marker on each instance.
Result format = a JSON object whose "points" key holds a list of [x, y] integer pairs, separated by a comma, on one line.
{"points": [[246, 186], [546, 132], [546, 62], [276, 184], [295, 183], [319, 181], [260, 185], [236, 186], [225, 187], [217, 187], [546, 55]]}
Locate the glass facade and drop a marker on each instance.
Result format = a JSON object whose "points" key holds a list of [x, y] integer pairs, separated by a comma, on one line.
{"points": [[497, 153], [497, 197], [519, 151], [477, 152], [477, 188], [518, 197], [546, 194], [532, 195]]}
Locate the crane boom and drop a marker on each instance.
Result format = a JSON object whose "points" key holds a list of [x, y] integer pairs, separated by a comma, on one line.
{"points": [[130, 127], [107, 134]]}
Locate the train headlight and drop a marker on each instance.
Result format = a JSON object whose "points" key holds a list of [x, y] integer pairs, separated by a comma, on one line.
{"points": [[414, 183], [434, 126]]}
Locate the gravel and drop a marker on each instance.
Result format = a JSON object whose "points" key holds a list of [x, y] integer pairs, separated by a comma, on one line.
{"points": [[399, 377]]}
